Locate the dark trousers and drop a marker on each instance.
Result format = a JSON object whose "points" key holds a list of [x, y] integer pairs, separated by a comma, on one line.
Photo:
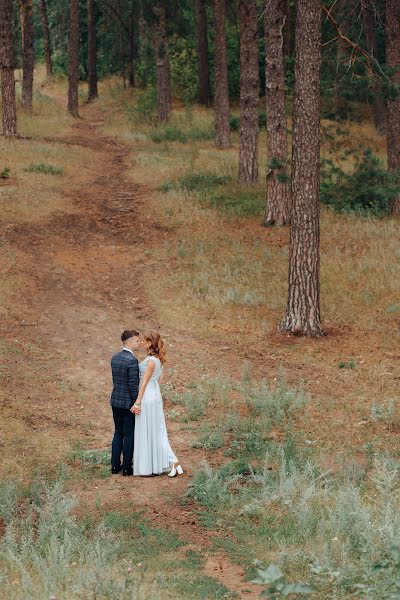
{"points": [[124, 422]]}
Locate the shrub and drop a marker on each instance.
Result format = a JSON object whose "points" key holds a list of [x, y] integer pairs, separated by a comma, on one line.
{"points": [[45, 169], [367, 190], [5, 173], [209, 438]]}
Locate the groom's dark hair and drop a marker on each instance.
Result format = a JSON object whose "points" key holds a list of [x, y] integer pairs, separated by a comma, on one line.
{"points": [[128, 333]]}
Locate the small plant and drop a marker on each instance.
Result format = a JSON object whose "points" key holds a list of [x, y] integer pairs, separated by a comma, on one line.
{"points": [[383, 411], [194, 404], [45, 169], [347, 364], [5, 173], [277, 586], [209, 438]]}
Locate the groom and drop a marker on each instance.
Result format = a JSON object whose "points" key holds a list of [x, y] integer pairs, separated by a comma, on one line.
{"points": [[125, 375]]}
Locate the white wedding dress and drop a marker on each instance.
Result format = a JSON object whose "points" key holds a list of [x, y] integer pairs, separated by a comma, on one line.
{"points": [[153, 454]]}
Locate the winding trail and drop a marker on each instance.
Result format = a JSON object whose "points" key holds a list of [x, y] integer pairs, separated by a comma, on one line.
{"points": [[88, 264]]}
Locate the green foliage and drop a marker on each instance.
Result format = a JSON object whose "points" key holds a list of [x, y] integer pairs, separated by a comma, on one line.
{"points": [[210, 438], [220, 192], [5, 173], [383, 411], [174, 134], [347, 364], [183, 60], [367, 190], [45, 169], [146, 106], [277, 586]]}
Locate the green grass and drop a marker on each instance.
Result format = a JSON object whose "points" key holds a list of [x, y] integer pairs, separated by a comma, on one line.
{"points": [[47, 551], [175, 134], [44, 169], [221, 192]]}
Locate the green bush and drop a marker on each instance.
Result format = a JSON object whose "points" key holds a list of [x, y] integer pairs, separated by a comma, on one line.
{"points": [[45, 169], [367, 190]]}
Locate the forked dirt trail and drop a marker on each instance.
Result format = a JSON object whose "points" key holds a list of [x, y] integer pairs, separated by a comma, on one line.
{"points": [[87, 265]]}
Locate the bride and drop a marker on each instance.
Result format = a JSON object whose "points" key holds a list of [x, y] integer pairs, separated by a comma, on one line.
{"points": [[153, 454]]}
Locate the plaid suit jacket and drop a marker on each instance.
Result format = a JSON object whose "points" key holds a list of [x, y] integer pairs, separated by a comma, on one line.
{"points": [[125, 375]]}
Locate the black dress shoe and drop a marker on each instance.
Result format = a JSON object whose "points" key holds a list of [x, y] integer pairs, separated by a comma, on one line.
{"points": [[127, 472], [115, 470]]}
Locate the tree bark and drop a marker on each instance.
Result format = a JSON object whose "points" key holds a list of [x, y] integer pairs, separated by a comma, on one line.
{"points": [[92, 51], [28, 54], [277, 144], [9, 116], [164, 101], [378, 105], [46, 38], [249, 92], [392, 27], [202, 51], [303, 308], [132, 44], [221, 103], [73, 68]]}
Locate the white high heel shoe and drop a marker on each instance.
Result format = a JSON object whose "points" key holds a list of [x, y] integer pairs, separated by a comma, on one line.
{"points": [[175, 471]]}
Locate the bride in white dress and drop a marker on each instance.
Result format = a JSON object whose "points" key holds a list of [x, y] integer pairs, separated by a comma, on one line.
{"points": [[153, 454]]}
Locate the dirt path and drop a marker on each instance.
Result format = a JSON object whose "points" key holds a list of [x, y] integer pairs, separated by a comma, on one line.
{"points": [[87, 265]]}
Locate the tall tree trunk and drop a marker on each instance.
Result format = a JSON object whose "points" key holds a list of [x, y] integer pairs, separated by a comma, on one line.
{"points": [[392, 27], [221, 103], [277, 143], [303, 307], [202, 51], [120, 23], [378, 105], [92, 51], [9, 117], [249, 92], [46, 38], [286, 30], [28, 54], [162, 62], [132, 44], [73, 68]]}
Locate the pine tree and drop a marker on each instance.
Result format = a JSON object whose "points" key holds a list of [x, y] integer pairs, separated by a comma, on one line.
{"points": [[277, 143], [9, 116], [249, 92], [392, 27], [202, 51], [28, 54], [221, 102], [92, 51], [164, 102], [303, 308], [73, 68], [46, 38]]}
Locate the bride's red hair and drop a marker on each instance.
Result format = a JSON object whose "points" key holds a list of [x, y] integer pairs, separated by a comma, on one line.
{"points": [[157, 347]]}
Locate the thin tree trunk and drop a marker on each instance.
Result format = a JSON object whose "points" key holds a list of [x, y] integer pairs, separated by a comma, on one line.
{"points": [[221, 104], [342, 55], [121, 42], [92, 51], [277, 144], [28, 54], [249, 92], [303, 307], [46, 38], [132, 45], [9, 116], [162, 62], [73, 69], [202, 51], [393, 105], [378, 105]]}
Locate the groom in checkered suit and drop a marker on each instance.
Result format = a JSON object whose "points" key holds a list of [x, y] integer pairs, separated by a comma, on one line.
{"points": [[125, 375]]}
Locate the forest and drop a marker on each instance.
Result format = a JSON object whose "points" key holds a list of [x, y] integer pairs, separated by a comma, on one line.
{"points": [[226, 172]]}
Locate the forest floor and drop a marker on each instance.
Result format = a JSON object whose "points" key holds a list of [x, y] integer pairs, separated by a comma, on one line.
{"points": [[99, 248]]}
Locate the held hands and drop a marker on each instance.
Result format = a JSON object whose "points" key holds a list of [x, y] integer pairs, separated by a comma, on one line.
{"points": [[136, 409]]}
